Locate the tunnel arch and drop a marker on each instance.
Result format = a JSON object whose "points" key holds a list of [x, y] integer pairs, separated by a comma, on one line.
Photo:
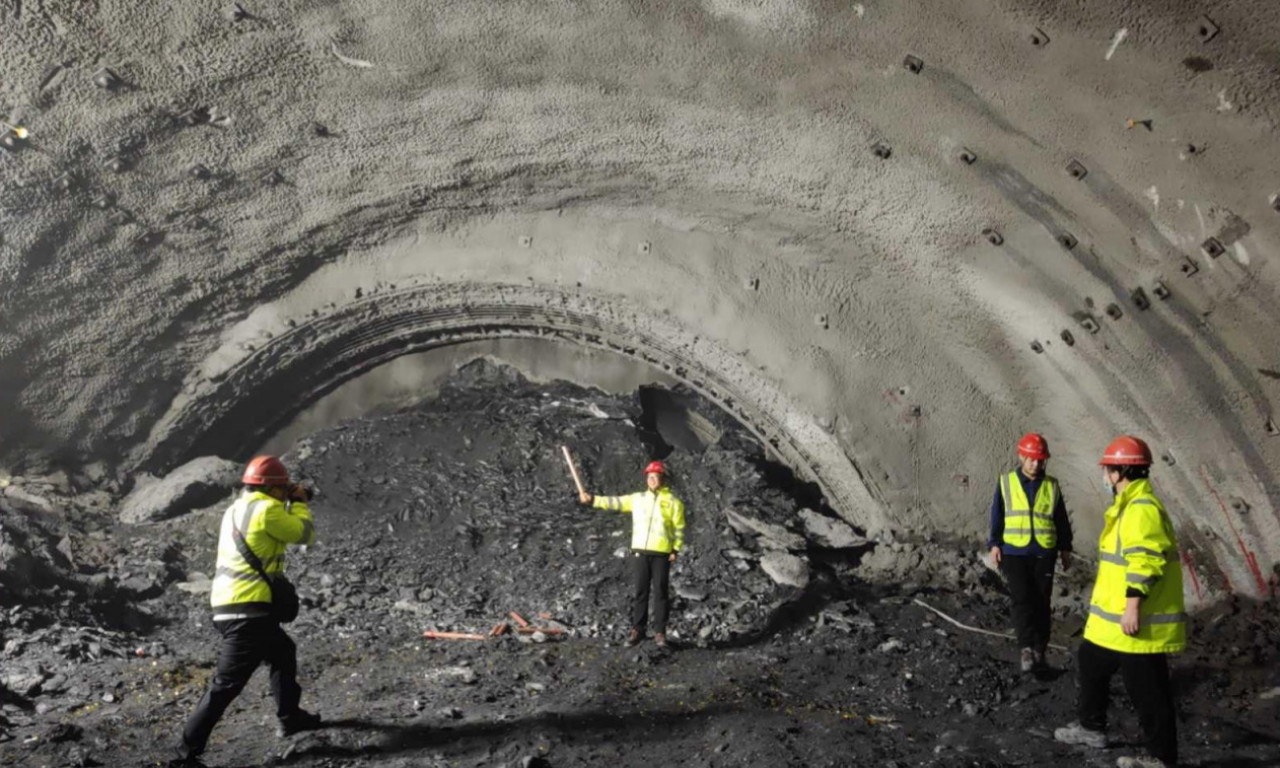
{"points": [[230, 411]]}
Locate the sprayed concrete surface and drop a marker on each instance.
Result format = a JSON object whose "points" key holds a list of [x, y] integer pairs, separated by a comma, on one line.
{"points": [[260, 206]]}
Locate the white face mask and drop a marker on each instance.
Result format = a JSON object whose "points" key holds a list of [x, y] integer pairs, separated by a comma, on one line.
{"points": [[1106, 480]]}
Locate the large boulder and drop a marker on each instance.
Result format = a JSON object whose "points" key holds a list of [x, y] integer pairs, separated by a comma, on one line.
{"points": [[786, 569], [771, 536], [828, 532], [196, 484]]}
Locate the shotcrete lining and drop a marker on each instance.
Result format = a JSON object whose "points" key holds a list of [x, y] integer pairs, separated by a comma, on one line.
{"points": [[412, 378], [730, 120], [240, 407]]}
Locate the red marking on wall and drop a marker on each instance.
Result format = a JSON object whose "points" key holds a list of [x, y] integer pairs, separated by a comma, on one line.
{"points": [[1191, 569], [1248, 556]]}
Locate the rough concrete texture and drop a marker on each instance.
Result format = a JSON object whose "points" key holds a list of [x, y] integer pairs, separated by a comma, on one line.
{"points": [[688, 183]]}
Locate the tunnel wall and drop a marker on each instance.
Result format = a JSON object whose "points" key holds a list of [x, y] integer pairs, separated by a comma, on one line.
{"points": [[235, 406], [768, 178]]}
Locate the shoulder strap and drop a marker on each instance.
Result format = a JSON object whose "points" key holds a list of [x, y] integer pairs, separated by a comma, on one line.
{"points": [[243, 546]]}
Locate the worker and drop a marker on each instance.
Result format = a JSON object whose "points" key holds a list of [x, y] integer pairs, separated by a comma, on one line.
{"points": [[1029, 531], [269, 514], [1136, 615], [657, 536]]}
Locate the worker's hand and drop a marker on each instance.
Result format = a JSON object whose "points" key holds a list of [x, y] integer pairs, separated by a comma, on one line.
{"points": [[672, 558], [995, 556], [1129, 622], [585, 497], [1066, 561], [299, 492]]}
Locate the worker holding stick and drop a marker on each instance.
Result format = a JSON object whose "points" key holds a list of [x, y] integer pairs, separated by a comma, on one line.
{"points": [[657, 536]]}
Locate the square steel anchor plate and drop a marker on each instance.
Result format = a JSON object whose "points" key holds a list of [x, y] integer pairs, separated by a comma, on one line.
{"points": [[1205, 29]]}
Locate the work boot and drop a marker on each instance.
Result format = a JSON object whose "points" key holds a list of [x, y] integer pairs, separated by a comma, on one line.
{"points": [[182, 757], [1028, 659], [1140, 762], [1076, 733], [300, 721], [633, 639], [660, 639]]}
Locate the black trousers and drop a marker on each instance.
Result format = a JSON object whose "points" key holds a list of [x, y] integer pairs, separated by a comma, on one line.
{"points": [[650, 574], [246, 643], [1146, 679], [1030, 580]]}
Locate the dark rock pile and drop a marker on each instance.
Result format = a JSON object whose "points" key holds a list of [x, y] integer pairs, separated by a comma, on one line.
{"points": [[470, 496], [796, 640]]}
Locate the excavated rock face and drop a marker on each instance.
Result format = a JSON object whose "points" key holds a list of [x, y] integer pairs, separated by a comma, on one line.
{"points": [[889, 238], [451, 513]]}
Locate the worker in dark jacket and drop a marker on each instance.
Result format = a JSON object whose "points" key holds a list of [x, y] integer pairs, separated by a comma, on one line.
{"points": [[1029, 530], [270, 514]]}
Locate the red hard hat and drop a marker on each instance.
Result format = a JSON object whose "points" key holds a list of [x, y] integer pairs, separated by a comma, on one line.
{"points": [[1033, 446], [1126, 451], [265, 470], [656, 466]]}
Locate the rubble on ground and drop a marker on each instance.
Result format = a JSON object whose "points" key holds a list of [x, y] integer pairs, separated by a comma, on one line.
{"points": [[796, 640]]}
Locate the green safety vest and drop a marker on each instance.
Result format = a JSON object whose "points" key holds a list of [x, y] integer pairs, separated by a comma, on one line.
{"points": [[268, 525], [1022, 520], [1138, 550], [657, 519]]}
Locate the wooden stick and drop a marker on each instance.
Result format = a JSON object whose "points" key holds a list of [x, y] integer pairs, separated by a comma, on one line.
{"points": [[543, 630], [451, 636], [968, 628], [517, 618], [573, 470]]}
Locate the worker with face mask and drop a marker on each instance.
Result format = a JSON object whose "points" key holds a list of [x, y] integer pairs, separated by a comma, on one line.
{"points": [[657, 536], [1136, 615], [1029, 531]]}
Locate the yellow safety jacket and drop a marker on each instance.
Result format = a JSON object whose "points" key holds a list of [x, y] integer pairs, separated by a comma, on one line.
{"points": [[1138, 550], [268, 525], [657, 519], [1021, 519]]}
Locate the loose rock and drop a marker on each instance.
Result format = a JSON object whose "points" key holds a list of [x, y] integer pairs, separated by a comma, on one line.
{"points": [[198, 483]]}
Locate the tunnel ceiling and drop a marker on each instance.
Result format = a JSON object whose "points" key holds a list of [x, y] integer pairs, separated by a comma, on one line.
{"points": [[1051, 216]]}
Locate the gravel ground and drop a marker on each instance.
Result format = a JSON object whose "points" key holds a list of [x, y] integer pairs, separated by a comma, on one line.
{"points": [[452, 513]]}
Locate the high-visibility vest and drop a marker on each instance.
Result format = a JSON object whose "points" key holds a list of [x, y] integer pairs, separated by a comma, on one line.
{"points": [[268, 526], [1138, 550], [657, 519], [1022, 520]]}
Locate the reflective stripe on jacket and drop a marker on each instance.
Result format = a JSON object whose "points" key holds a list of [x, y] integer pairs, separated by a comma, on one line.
{"points": [[1021, 519], [268, 525], [1138, 550], [657, 519]]}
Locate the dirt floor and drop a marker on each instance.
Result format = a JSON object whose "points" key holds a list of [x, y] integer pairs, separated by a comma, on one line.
{"points": [[452, 513]]}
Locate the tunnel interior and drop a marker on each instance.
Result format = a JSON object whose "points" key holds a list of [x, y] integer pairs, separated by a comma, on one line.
{"points": [[829, 259], [889, 254]]}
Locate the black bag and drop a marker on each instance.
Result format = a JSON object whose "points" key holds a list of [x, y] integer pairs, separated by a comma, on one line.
{"points": [[284, 597]]}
